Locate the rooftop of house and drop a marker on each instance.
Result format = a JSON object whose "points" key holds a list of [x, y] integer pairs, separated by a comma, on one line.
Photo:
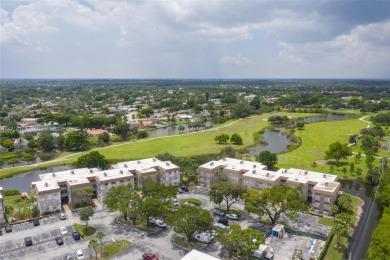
{"points": [[112, 174], [96, 132]]}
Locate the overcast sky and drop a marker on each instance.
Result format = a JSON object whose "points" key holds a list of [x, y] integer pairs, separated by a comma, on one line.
{"points": [[195, 39]]}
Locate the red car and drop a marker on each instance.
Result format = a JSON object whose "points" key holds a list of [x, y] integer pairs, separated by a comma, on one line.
{"points": [[149, 256]]}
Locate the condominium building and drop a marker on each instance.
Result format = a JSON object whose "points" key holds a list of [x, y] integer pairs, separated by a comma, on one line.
{"points": [[2, 206], [68, 187], [164, 172], [321, 190]]}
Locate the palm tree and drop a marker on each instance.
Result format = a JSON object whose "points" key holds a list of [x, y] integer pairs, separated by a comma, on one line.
{"points": [[100, 235], [94, 244]]}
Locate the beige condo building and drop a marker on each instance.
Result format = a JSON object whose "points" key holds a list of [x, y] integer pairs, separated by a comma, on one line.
{"points": [[321, 190]]}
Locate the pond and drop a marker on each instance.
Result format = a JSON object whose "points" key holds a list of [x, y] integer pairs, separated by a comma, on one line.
{"points": [[327, 117], [276, 142], [361, 236], [23, 181], [170, 130], [38, 159]]}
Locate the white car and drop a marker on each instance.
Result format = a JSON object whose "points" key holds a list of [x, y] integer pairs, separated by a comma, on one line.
{"points": [[80, 255], [152, 220], [160, 223], [62, 216], [219, 225], [231, 216], [63, 231]]}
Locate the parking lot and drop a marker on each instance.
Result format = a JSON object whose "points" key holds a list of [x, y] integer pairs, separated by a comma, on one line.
{"points": [[160, 243]]}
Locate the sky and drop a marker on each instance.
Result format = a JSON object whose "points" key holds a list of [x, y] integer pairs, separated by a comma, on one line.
{"points": [[194, 39]]}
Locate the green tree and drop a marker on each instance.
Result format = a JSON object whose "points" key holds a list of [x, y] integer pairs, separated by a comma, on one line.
{"points": [[236, 139], [351, 168], [241, 109], [1, 163], [82, 196], [142, 134], [181, 128], [300, 125], [380, 239], [314, 165], [46, 141], [85, 215], [222, 138], [152, 207], [370, 143], [104, 138], [121, 129], [28, 157], [190, 219], [75, 140], [100, 235], [344, 203], [274, 201], [8, 143], [339, 229], [344, 171], [152, 188], [240, 241], [94, 245], [126, 199], [13, 161], [92, 160], [359, 172], [338, 151], [147, 112], [228, 192], [267, 158]]}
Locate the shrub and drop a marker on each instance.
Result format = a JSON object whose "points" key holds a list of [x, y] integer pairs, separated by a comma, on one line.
{"points": [[8, 193]]}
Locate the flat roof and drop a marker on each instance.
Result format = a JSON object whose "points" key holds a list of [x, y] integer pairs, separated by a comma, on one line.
{"points": [[197, 255], [69, 174], [327, 186], [262, 174], [304, 176], [112, 174], [49, 185], [234, 164], [145, 164]]}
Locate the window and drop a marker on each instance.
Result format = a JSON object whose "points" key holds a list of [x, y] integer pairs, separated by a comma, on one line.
{"points": [[106, 184], [113, 183], [122, 181]]}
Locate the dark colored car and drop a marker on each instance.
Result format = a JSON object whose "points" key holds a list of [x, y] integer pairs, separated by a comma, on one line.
{"points": [[59, 241], [28, 241], [184, 188], [224, 221], [76, 235], [36, 221], [8, 228], [149, 256]]}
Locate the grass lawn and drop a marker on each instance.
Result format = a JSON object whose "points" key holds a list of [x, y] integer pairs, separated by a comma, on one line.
{"points": [[111, 249], [9, 155], [316, 138], [85, 232], [21, 207], [195, 201]]}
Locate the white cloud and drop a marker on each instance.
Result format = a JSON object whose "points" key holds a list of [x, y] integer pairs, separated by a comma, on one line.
{"points": [[237, 59], [184, 38]]}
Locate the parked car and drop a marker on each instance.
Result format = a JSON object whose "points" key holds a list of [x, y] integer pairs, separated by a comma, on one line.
{"points": [[232, 216], [218, 212], [219, 226], [204, 238], [224, 221], [160, 223], [76, 235], [149, 256], [184, 188], [80, 255], [36, 221], [62, 216], [176, 204], [189, 204], [179, 190], [152, 220], [28, 241], [59, 241], [63, 231], [8, 229], [173, 210]]}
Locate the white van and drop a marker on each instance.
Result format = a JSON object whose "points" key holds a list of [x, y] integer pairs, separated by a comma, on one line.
{"points": [[204, 238]]}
